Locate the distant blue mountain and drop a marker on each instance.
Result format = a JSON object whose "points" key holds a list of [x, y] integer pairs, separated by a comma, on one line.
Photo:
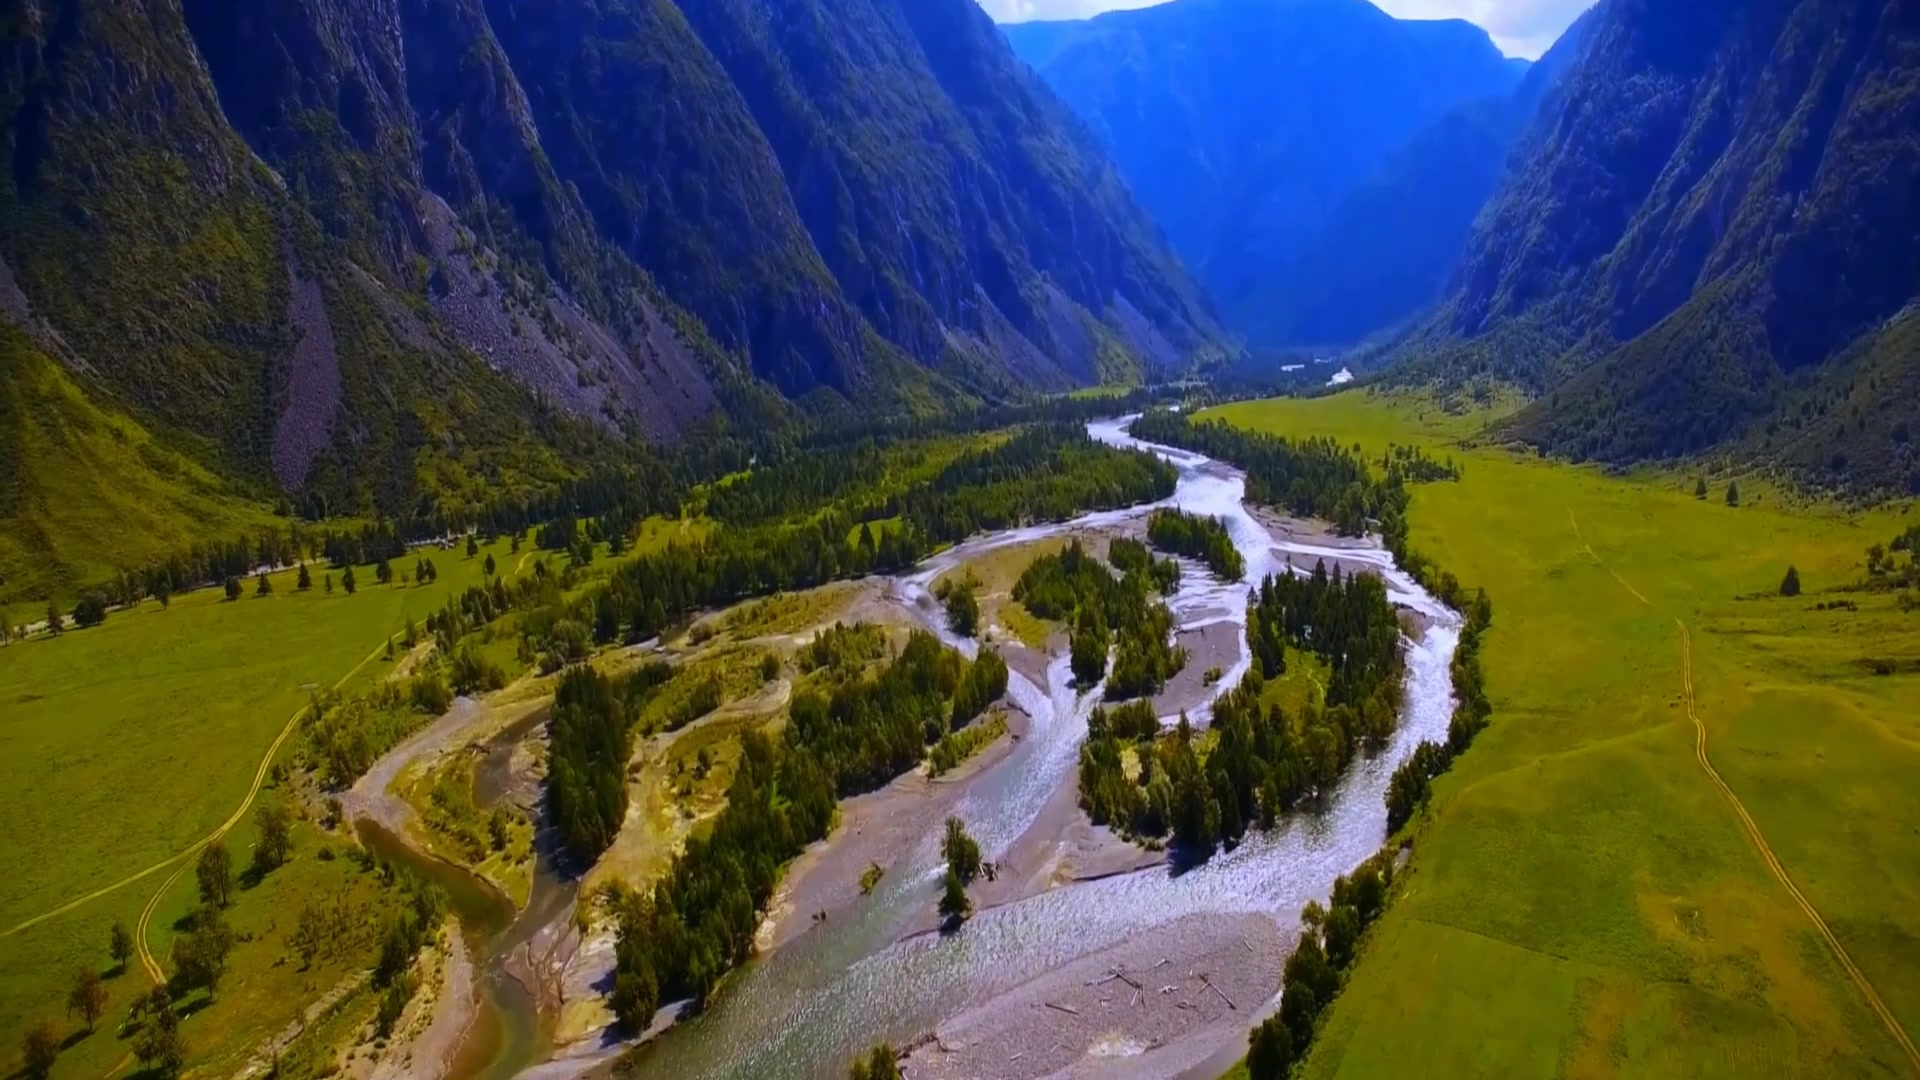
{"points": [[1243, 126]]}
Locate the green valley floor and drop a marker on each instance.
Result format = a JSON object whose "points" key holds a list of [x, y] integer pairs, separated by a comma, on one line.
{"points": [[1584, 898]]}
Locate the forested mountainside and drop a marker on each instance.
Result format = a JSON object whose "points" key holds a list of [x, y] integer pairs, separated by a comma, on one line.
{"points": [[1243, 125], [1711, 236], [391, 253]]}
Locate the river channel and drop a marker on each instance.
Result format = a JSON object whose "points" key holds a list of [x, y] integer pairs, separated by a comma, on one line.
{"points": [[804, 1009]]}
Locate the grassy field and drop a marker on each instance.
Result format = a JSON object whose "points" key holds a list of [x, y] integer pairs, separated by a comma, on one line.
{"points": [[1583, 901], [124, 744], [85, 490]]}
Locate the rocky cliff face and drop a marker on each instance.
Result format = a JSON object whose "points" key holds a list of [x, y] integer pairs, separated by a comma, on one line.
{"points": [[1711, 234], [390, 250]]}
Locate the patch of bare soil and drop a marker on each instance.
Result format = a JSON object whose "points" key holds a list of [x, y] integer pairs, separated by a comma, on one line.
{"points": [[1216, 645]]}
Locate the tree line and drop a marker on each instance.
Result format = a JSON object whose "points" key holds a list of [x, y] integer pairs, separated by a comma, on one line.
{"points": [[1316, 971], [1412, 783], [1309, 477]]}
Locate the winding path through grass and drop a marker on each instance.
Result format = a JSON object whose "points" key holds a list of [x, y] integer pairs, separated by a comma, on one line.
{"points": [[1752, 828]]}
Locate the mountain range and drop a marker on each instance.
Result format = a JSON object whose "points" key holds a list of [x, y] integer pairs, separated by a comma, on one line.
{"points": [[1707, 240], [385, 254], [1267, 137]]}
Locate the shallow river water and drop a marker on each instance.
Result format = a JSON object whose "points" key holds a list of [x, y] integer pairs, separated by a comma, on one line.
{"points": [[805, 1009]]}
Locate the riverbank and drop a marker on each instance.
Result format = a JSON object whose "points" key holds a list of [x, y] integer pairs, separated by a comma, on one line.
{"points": [[1147, 1008]]}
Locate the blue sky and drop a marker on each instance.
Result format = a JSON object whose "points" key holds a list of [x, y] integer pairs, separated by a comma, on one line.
{"points": [[1520, 27]]}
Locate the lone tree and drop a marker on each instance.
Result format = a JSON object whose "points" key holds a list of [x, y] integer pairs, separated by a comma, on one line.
{"points": [[329, 583], [1733, 493], [274, 823], [120, 945], [877, 1064], [348, 582], [305, 581], [88, 996], [90, 611], [1790, 585], [1700, 488], [954, 904], [214, 871], [56, 622], [383, 572], [473, 546], [41, 1048], [263, 585], [200, 958], [960, 851], [233, 587], [488, 567]]}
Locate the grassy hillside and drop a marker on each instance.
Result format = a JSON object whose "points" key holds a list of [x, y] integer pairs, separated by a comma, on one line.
{"points": [[1582, 900], [85, 492]]}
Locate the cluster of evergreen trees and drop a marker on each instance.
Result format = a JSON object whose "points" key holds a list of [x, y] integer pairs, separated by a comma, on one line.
{"points": [[1131, 556], [1105, 611], [699, 920], [865, 732], [591, 739], [1886, 569], [1196, 537], [1315, 972], [1264, 761], [803, 483], [1346, 620]]}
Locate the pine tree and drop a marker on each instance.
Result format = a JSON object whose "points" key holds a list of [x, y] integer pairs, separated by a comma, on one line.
{"points": [[1733, 493], [488, 567], [383, 572], [1790, 585], [306, 579], [347, 581], [1700, 488], [954, 904], [473, 546], [329, 584], [233, 588], [56, 622], [264, 586]]}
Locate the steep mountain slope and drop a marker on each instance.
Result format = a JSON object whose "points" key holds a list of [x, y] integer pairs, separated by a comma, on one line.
{"points": [[1712, 235], [396, 255], [1240, 124]]}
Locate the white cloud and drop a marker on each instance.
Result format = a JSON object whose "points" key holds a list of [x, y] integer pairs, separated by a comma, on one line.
{"points": [[1520, 27]]}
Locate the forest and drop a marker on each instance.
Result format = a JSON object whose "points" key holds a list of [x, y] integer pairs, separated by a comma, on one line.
{"points": [[1264, 761]]}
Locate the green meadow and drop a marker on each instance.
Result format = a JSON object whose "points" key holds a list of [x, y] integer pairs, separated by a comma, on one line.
{"points": [[1582, 901], [123, 745]]}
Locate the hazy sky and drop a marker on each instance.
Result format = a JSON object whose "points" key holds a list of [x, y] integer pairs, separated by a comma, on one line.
{"points": [[1520, 27]]}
